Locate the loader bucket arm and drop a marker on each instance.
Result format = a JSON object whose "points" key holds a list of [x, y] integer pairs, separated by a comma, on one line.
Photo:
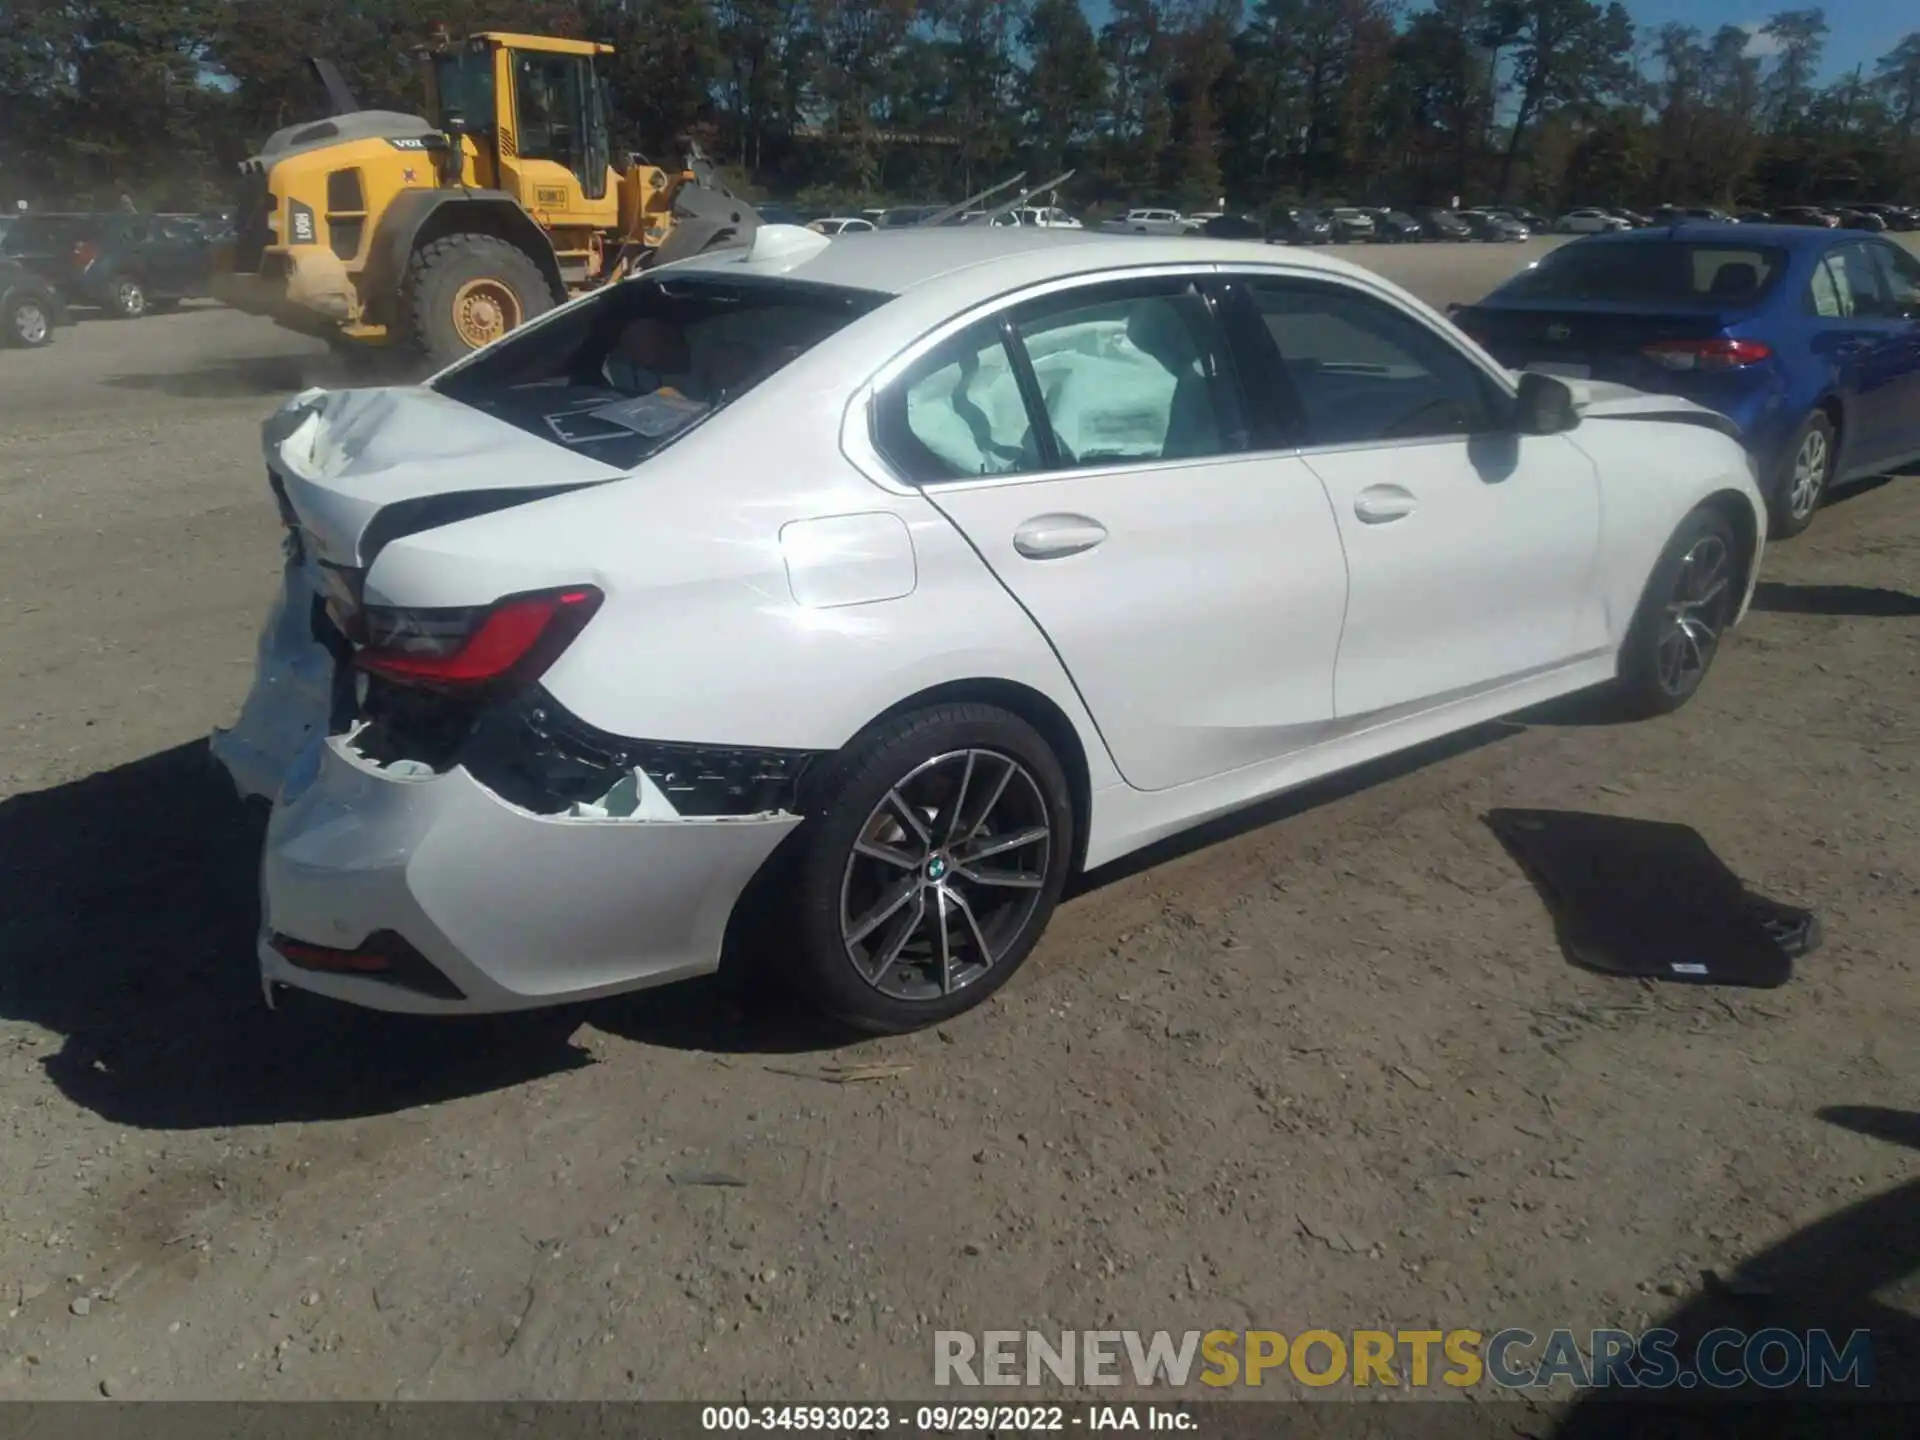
{"points": [[340, 96], [706, 214], [986, 217], [945, 216]]}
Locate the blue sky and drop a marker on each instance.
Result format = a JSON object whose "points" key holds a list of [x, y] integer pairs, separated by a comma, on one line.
{"points": [[1859, 31]]}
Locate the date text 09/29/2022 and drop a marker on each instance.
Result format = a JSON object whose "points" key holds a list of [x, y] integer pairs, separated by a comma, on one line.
{"points": [[946, 1419]]}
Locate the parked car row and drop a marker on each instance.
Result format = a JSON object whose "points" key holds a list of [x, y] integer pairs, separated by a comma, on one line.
{"points": [[126, 265], [1594, 219]]}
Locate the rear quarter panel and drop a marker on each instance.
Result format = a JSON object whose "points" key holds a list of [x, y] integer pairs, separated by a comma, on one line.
{"points": [[701, 637]]}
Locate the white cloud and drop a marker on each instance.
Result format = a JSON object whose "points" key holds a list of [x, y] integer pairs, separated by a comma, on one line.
{"points": [[1759, 45]]}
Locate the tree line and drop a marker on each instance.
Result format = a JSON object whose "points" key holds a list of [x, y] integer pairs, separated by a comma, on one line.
{"points": [[1545, 102]]}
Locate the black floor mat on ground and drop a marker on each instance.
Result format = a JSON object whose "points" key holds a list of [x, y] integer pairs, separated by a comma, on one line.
{"points": [[1643, 898]]}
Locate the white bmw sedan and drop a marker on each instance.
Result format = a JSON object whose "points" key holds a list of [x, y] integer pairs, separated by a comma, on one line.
{"points": [[859, 592]]}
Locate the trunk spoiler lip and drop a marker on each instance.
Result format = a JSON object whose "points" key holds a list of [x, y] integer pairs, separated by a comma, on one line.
{"points": [[338, 500]]}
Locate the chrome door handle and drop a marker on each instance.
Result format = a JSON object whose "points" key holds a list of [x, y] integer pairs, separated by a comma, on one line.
{"points": [[1377, 504], [1049, 537]]}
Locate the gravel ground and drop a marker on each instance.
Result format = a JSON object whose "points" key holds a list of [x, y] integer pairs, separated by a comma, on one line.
{"points": [[1325, 1065]]}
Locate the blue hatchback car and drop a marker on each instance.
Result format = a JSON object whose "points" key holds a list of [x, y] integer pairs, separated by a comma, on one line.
{"points": [[1809, 340]]}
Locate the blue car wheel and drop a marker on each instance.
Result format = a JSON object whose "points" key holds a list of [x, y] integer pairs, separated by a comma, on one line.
{"points": [[1800, 478]]}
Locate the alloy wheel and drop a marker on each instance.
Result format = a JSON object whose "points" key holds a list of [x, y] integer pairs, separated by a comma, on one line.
{"points": [[1809, 477], [30, 324], [1695, 616], [946, 874], [131, 299]]}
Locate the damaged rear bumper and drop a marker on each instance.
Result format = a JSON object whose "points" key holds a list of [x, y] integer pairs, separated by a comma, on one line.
{"points": [[515, 910], [492, 905]]}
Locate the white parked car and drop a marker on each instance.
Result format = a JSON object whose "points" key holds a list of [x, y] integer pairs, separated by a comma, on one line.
{"points": [[864, 593], [840, 225], [1148, 222], [1033, 217], [1589, 222]]}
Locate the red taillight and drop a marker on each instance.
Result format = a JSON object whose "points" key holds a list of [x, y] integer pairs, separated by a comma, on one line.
{"points": [[1714, 354], [363, 961], [85, 252], [515, 639]]}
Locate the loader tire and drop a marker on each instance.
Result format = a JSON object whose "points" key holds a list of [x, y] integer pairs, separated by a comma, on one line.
{"points": [[467, 290]]}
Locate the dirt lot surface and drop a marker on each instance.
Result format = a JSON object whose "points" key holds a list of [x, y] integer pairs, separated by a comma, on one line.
{"points": [[1323, 1067]]}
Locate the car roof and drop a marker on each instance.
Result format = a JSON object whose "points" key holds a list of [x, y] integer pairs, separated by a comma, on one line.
{"points": [[1785, 237], [992, 259]]}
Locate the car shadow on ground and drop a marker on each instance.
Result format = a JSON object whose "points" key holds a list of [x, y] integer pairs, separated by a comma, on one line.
{"points": [[260, 375], [1861, 601], [129, 932], [1832, 1275]]}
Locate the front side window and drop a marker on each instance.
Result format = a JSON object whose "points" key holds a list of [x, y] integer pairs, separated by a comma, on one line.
{"points": [[1358, 370], [1900, 279]]}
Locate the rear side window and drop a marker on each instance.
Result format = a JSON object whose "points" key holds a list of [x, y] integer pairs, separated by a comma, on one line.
{"points": [[1638, 270], [1110, 375]]}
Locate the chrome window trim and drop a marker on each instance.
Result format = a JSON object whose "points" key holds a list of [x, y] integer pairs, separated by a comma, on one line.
{"points": [[856, 427]]}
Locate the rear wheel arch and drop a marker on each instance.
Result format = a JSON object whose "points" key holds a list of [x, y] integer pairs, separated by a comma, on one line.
{"points": [[1039, 711]]}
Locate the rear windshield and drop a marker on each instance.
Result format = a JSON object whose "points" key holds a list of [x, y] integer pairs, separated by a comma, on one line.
{"points": [[1670, 271], [627, 372]]}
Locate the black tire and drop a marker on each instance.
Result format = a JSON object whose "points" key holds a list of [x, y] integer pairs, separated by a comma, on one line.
{"points": [[128, 299], [1793, 500], [923, 755], [1669, 650], [29, 324], [438, 275]]}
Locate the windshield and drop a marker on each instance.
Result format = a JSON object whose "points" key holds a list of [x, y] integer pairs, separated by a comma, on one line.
{"points": [[623, 374], [1641, 271]]}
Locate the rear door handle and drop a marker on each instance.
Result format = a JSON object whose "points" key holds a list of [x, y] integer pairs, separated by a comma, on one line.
{"points": [[1049, 537], [1377, 504]]}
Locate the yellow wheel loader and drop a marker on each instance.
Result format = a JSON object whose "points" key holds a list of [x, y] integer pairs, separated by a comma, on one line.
{"points": [[441, 234]]}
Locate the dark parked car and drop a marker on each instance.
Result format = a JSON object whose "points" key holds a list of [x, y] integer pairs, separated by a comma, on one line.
{"points": [[1295, 226], [1805, 215], [1754, 217], [125, 264], [1233, 227], [1489, 226], [1808, 339], [1632, 217], [1443, 224], [30, 308], [1851, 219], [1395, 226]]}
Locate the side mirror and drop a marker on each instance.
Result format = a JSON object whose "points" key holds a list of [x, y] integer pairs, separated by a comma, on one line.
{"points": [[1546, 405]]}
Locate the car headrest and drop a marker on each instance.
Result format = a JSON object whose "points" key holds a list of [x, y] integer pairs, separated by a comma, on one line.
{"points": [[1733, 279], [1156, 328]]}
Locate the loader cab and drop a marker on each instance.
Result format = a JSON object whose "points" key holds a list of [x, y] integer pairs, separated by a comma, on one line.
{"points": [[535, 114]]}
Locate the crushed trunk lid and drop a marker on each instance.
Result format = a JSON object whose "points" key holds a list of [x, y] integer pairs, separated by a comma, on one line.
{"points": [[358, 468]]}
